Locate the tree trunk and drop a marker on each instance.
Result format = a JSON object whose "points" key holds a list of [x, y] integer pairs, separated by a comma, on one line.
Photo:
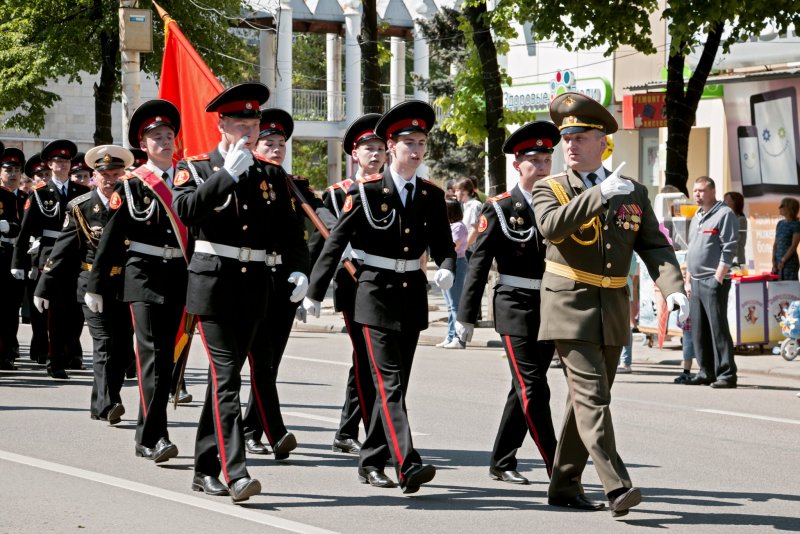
{"points": [[372, 97], [104, 92], [487, 52], [682, 105]]}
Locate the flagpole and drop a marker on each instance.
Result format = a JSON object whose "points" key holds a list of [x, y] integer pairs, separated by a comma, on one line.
{"points": [[163, 15]]}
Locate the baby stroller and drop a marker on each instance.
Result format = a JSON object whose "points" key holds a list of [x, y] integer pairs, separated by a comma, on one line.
{"points": [[790, 327]]}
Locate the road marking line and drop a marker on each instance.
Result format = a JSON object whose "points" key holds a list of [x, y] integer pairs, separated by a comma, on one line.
{"points": [[752, 416], [330, 420], [153, 491], [315, 360]]}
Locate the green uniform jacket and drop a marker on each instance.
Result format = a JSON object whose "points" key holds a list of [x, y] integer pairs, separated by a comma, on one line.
{"points": [[579, 311]]}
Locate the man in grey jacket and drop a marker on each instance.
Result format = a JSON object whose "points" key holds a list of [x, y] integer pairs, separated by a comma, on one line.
{"points": [[712, 246]]}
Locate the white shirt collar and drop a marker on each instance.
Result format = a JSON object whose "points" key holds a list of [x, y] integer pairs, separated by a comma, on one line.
{"points": [[103, 198], [601, 175], [158, 172], [528, 197], [400, 184], [58, 184]]}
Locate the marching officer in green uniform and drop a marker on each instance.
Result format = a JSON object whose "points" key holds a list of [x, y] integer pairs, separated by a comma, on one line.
{"points": [[594, 221]]}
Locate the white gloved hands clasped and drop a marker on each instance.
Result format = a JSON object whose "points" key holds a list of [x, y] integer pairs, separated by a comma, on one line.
{"points": [[41, 304], [238, 159], [614, 185], [94, 302], [311, 306], [18, 274], [464, 331], [444, 278], [301, 286], [682, 302], [4, 227]]}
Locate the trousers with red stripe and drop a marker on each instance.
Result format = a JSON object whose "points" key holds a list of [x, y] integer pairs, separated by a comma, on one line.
{"points": [[219, 445], [391, 354], [156, 327], [359, 399], [527, 407]]}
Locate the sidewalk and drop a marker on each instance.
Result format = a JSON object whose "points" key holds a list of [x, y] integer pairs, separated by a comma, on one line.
{"points": [[671, 355]]}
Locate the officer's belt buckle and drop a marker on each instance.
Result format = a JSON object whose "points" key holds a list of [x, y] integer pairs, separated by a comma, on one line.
{"points": [[166, 253], [244, 254], [272, 260], [399, 266]]}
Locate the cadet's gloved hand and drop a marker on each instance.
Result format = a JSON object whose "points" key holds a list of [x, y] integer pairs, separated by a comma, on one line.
{"points": [[311, 306], [613, 185], [40, 303], [679, 300], [34, 247], [464, 331], [301, 286], [444, 278], [94, 302], [4, 227], [33, 274], [18, 274], [301, 314], [238, 159]]}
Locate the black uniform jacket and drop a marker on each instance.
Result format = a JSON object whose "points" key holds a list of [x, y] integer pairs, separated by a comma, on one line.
{"points": [[378, 225], [511, 238], [257, 212], [8, 213], [137, 215], [45, 209]]}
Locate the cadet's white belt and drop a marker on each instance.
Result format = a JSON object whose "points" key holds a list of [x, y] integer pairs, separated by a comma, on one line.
{"points": [[167, 253], [518, 281], [398, 266], [50, 233], [11, 240], [354, 254], [235, 253]]}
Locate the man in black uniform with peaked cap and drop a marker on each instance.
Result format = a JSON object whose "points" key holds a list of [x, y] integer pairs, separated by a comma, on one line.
{"points": [[11, 162]]}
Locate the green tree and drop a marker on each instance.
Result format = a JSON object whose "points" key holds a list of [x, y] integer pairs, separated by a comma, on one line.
{"points": [[43, 40]]}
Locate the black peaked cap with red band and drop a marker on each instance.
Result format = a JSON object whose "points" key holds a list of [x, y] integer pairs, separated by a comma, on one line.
{"points": [[405, 118], [79, 163], [151, 115], [538, 137], [275, 121], [241, 101], [12, 157], [59, 149], [34, 165], [139, 157], [360, 131]]}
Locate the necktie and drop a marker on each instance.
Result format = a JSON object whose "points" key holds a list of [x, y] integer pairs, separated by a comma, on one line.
{"points": [[592, 178], [409, 195], [165, 176]]}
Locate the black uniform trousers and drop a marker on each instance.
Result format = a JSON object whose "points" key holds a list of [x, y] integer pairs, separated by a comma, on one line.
{"points": [[156, 328], [9, 306], [527, 407], [220, 433], [360, 393], [64, 326], [391, 354], [112, 338], [713, 344], [263, 413], [40, 338]]}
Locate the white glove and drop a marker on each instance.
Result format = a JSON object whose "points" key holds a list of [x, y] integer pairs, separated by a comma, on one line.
{"points": [[238, 160], [18, 274], [301, 286], [444, 278], [94, 302], [680, 300], [40, 303], [464, 331], [33, 274], [301, 314], [613, 185], [311, 306], [4, 227], [34, 246]]}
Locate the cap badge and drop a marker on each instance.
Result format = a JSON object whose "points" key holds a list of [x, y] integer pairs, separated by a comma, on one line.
{"points": [[415, 122], [571, 119], [157, 119], [107, 158], [248, 105], [539, 142], [272, 125], [568, 101]]}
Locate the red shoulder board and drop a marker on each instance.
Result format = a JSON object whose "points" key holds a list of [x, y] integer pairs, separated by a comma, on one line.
{"points": [[347, 183], [40, 185], [482, 223], [115, 201], [7, 189], [501, 196], [332, 187], [181, 178], [370, 178], [348, 204], [428, 182], [28, 203], [199, 157]]}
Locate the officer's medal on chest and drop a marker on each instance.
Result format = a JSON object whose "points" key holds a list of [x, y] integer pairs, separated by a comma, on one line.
{"points": [[267, 191], [629, 217]]}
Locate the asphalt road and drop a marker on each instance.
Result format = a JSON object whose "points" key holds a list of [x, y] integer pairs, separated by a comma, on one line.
{"points": [[706, 460]]}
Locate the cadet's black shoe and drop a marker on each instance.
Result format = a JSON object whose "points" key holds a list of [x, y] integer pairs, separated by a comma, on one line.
{"points": [[284, 446], [41, 358], [578, 502], [209, 485], [253, 446], [164, 450], [58, 374], [115, 413], [76, 364], [143, 452], [510, 476], [349, 445], [375, 478], [244, 488], [620, 504], [418, 476]]}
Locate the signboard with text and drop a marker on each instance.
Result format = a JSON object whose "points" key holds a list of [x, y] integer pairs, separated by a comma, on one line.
{"points": [[764, 218], [536, 96], [644, 110]]}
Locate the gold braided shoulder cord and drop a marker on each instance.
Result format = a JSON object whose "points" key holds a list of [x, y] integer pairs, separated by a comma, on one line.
{"points": [[594, 222], [81, 220]]}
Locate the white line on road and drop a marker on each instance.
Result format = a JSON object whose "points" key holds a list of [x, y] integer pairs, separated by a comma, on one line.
{"points": [[752, 416], [315, 360], [330, 420], [153, 491]]}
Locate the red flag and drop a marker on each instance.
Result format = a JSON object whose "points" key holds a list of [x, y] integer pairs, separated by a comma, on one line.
{"points": [[187, 82], [663, 321]]}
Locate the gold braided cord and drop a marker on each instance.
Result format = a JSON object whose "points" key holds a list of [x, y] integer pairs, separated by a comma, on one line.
{"points": [[594, 222], [81, 220]]}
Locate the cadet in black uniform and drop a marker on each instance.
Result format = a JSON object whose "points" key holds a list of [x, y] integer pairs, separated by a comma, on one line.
{"points": [[73, 257], [145, 236], [79, 171], [241, 224], [11, 162], [37, 172], [44, 214], [393, 219], [507, 234]]}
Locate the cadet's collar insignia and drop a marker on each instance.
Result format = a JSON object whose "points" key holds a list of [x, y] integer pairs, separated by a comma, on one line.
{"points": [[385, 190], [483, 224], [518, 205], [348, 204], [215, 168], [96, 208], [424, 193], [115, 201], [629, 217], [181, 178]]}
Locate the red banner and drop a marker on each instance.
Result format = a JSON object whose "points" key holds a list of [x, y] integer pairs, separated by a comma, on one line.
{"points": [[187, 82], [647, 110]]}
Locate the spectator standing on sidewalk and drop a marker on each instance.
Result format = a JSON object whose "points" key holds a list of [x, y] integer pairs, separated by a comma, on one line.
{"points": [[471, 206], [686, 341], [735, 201], [626, 357], [787, 237], [452, 296]]}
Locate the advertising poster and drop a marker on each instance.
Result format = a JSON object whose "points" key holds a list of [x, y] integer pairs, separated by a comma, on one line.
{"points": [[750, 314], [764, 218], [780, 295]]}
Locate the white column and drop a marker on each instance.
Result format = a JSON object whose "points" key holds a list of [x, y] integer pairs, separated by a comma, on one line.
{"points": [[397, 72], [283, 72], [420, 55], [352, 22], [333, 52], [266, 61]]}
